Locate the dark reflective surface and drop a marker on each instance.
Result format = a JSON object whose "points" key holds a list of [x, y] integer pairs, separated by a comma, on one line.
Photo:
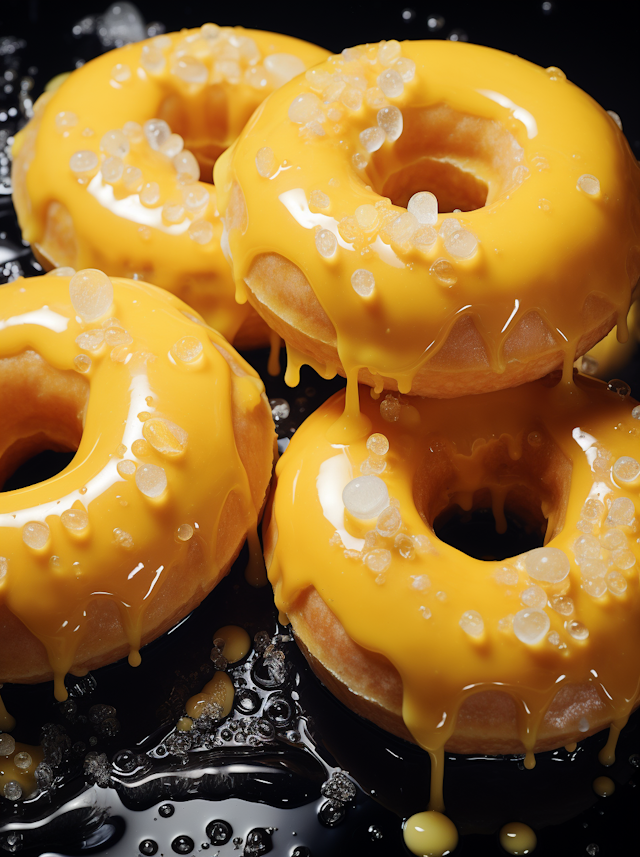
{"points": [[256, 782]]}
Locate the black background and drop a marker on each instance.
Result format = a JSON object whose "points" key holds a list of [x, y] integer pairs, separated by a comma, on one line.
{"points": [[596, 45], [597, 48]]}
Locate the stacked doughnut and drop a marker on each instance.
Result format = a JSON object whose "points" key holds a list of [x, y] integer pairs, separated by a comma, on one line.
{"points": [[445, 220], [174, 448], [114, 170]]}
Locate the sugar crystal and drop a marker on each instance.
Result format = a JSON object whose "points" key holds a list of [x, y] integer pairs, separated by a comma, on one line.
{"points": [[91, 293], [547, 564], [306, 108], [444, 272], [626, 469], [7, 744], [462, 244], [187, 349], [126, 467], [389, 522], [35, 534], [401, 228], [391, 83], [622, 512], [406, 68], [122, 538], [83, 161], [195, 197], [378, 444], [318, 199], [588, 184], [365, 497], [577, 630], [534, 596], [378, 560], [75, 519], [266, 163], [115, 142], [389, 52], [616, 583], [82, 363], [472, 623], [372, 138], [201, 231], [190, 70], [531, 625], [424, 238], [23, 760], [391, 121], [184, 532], [623, 559], [326, 243], [152, 59], [424, 207], [283, 67], [186, 166], [120, 73], [132, 178], [404, 546], [151, 480], [150, 193], [112, 169], [390, 409], [164, 436]]}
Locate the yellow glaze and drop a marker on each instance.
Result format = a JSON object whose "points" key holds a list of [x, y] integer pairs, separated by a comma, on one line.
{"points": [[476, 122], [111, 228], [444, 452], [132, 540]]}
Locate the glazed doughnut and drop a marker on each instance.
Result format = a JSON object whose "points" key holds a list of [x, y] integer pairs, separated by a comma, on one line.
{"points": [[520, 654], [96, 185], [526, 258], [175, 447]]}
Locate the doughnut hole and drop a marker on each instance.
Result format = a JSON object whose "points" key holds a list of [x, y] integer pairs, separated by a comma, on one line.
{"points": [[486, 504], [466, 161], [43, 410], [205, 127]]}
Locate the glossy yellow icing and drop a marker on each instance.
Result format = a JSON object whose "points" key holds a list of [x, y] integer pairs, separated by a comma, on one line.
{"points": [[113, 230], [442, 452], [132, 540], [472, 116]]}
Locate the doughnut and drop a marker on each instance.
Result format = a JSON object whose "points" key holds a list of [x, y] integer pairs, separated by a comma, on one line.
{"points": [[174, 446], [433, 217], [461, 651], [114, 171]]}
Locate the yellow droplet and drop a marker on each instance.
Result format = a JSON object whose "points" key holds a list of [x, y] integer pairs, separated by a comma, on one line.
{"points": [[517, 838], [237, 643], [604, 786], [430, 834]]}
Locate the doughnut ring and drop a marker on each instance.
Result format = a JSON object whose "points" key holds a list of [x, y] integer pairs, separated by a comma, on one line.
{"points": [[114, 170], [175, 447], [453, 649], [435, 217]]}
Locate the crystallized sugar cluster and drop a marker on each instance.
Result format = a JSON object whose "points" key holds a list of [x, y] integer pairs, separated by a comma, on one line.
{"points": [[366, 497], [540, 578], [211, 55], [91, 294], [372, 77]]}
